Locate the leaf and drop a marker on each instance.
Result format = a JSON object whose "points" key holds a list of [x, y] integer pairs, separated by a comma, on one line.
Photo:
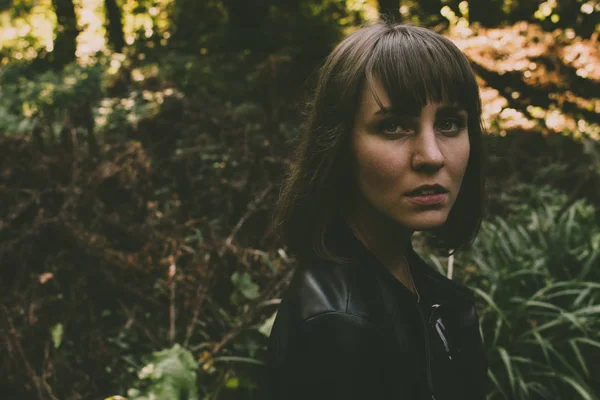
{"points": [[506, 360], [267, 326], [245, 360], [588, 341], [437, 264], [496, 383], [232, 383], [244, 284], [492, 304], [57, 334], [171, 374], [578, 386], [579, 357]]}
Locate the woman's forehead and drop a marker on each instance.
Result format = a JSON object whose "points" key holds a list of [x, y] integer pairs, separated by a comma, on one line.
{"points": [[375, 101], [411, 73]]}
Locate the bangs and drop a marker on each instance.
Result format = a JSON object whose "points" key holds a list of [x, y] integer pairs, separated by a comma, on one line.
{"points": [[417, 66]]}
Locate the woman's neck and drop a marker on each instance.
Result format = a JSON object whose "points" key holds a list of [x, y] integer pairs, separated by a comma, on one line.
{"points": [[385, 238]]}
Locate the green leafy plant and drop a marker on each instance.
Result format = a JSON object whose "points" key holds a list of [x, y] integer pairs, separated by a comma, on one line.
{"points": [[169, 374], [540, 295], [244, 284], [49, 100]]}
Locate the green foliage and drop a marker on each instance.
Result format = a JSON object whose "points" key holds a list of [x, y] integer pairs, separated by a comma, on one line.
{"points": [[538, 284], [205, 97], [267, 326], [57, 335], [521, 198], [123, 113], [243, 283], [48, 99], [26, 28], [169, 374]]}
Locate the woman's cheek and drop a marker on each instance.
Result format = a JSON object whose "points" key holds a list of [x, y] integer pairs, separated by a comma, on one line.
{"points": [[378, 168], [458, 158]]}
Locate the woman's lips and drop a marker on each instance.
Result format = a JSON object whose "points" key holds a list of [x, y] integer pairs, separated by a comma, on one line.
{"points": [[428, 199]]}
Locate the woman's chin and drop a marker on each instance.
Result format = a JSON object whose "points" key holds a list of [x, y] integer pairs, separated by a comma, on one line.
{"points": [[424, 221]]}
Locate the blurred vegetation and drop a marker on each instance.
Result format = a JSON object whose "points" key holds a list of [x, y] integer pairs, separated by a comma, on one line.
{"points": [[141, 147], [537, 276]]}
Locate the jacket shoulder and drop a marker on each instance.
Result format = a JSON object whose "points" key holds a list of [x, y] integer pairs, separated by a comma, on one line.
{"points": [[323, 287], [321, 299]]}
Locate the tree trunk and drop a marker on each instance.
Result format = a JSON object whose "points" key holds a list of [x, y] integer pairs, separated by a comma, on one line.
{"points": [[431, 7], [488, 13], [65, 43], [523, 11], [390, 9], [430, 15], [246, 23], [114, 26], [185, 33]]}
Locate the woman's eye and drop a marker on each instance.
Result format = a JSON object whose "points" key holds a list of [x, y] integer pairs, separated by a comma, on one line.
{"points": [[393, 128], [451, 125]]}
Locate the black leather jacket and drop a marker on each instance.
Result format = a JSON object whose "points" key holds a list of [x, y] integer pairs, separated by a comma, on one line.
{"points": [[353, 331]]}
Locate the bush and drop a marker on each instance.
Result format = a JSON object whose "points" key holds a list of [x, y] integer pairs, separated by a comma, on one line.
{"points": [[536, 281], [169, 374], [51, 104]]}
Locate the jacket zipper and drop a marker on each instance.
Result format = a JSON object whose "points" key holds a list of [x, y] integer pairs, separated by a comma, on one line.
{"points": [[427, 352], [444, 340]]}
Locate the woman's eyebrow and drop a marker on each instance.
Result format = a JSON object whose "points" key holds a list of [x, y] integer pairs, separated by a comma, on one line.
{"points": [[442, 111], [387, 111]]}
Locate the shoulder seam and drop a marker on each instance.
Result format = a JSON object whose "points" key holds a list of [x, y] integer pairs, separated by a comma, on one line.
{"points": [[325, 313], [348, 294]]}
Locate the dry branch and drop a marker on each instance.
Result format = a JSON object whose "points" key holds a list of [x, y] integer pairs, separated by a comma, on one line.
{"points": [[35, 379], [201, 293]]}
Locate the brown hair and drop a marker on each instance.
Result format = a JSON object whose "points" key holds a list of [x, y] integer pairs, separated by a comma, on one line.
{"points": [[415, 66]]}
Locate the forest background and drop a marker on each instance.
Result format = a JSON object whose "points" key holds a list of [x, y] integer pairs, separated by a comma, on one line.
{"points": [[142, 145]]}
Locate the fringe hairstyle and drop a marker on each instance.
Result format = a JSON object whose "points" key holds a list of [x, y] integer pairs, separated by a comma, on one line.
{"points": [[415, 66]]}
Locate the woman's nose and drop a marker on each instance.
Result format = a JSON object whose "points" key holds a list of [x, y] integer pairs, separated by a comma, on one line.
{"points": [[427, 155]]}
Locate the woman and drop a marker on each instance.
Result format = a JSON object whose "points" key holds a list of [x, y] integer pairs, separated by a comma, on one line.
{"points": [[392, 146]]}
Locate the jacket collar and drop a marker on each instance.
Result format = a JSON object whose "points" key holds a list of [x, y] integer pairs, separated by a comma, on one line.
{"points": [[438, 287], [430, 283]]}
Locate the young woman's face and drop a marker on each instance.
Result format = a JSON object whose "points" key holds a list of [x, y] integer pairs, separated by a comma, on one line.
{"points": [[396, 154]]}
